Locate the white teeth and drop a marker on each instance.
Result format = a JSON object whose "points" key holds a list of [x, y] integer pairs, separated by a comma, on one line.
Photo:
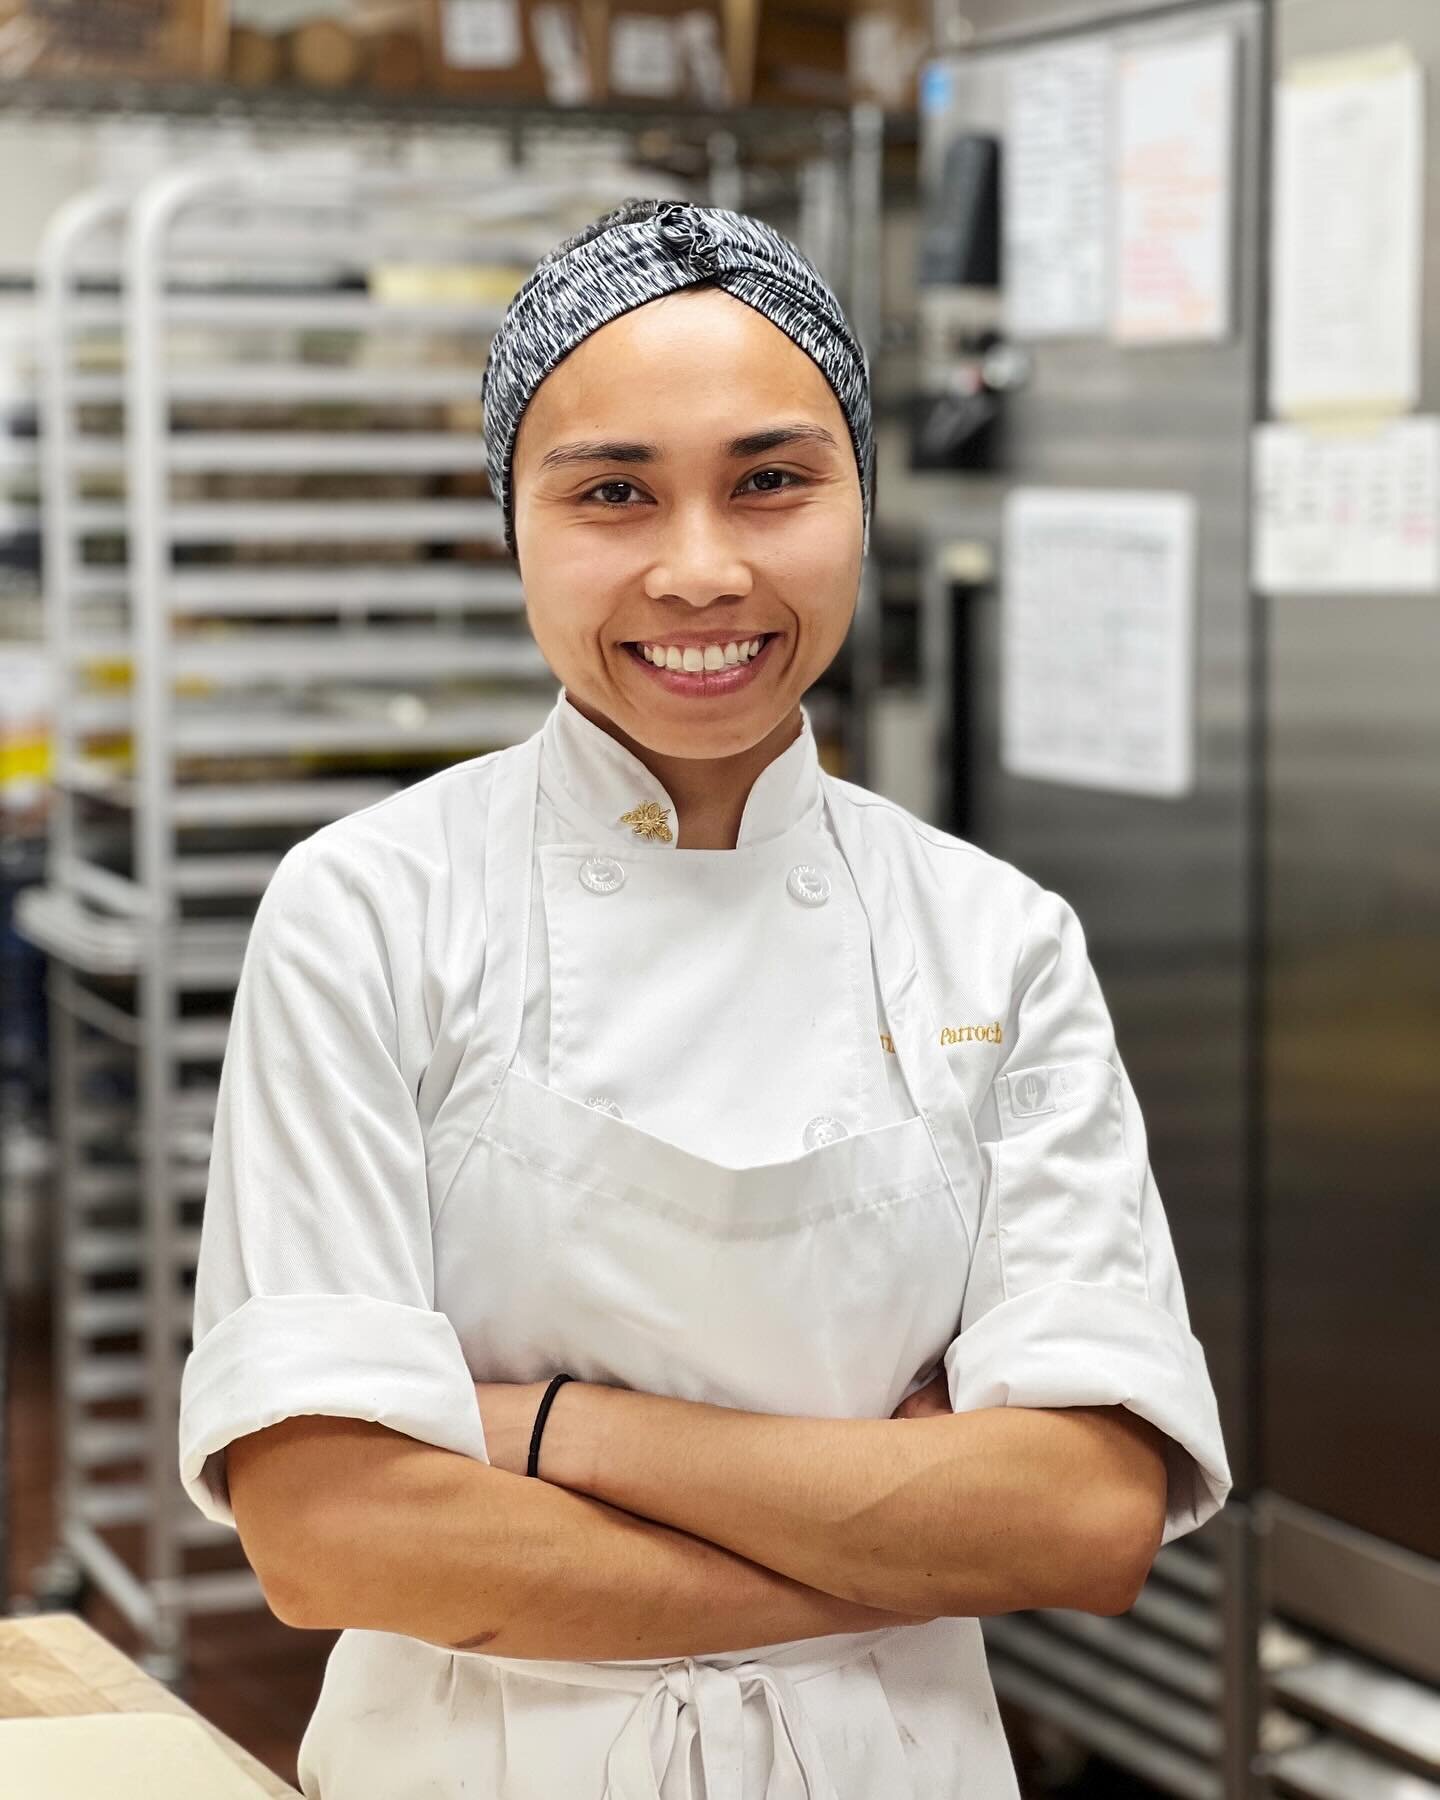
{"points": [[693, 658]]}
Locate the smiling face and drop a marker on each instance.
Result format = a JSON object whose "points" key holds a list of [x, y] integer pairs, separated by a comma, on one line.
{"points": [[644, 516]]}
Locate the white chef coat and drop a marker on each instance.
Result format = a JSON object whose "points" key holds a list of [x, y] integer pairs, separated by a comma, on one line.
{"points": [[705, 1008]]}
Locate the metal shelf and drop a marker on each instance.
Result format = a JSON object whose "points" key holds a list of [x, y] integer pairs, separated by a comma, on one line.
{"points": [[773, 128]]}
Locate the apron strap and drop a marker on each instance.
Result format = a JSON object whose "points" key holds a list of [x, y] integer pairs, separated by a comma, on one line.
{"points": [[934, 1090], [509, 878]]}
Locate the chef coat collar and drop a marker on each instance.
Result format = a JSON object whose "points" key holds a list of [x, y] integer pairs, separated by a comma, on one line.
{"points": [[604, 779]]}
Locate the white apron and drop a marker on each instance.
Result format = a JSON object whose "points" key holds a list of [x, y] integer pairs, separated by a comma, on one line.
{"points": [[828, 1285]]}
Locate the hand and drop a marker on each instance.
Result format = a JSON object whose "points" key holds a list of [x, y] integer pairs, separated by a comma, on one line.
{"points": [[507, 1417], [928, 1402]]}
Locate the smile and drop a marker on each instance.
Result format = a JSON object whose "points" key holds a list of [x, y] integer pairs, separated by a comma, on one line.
{"points": [[704, 673], [695, 657]]}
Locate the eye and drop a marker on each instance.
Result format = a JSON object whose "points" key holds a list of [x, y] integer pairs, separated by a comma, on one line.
{"points": [[785, 474], [603, 486]]}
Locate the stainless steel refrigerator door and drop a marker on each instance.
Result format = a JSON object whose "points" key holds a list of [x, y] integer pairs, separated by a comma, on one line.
{"points": [[1352, 1371]]}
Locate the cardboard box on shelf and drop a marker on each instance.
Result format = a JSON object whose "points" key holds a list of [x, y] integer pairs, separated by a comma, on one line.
{"points": [[826, 52], [327, 43], [569, 40], [526, 49], [481, 47], [158, 39], [665, 50], [398, 63], [887, 46], [788, 52], [255, 58]]}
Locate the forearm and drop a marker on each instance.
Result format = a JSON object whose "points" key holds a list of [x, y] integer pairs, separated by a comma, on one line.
{"points": [[966, 1514], [436, 1546]]}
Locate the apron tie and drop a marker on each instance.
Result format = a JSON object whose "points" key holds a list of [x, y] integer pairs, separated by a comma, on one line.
{"points": [[642, 1752], [797, 1770]]}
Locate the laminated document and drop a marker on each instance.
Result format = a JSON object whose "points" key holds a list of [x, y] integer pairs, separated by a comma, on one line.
{"points": [[1348, 511], [1348, 241], [1097, 622], [1174, 167], [1055, 176]]}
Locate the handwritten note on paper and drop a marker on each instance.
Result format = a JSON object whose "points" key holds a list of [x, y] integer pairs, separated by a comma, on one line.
{"points": [[1348, 512], [1174, 130], [1097, 639], [1055, 175], [1348, 240]]}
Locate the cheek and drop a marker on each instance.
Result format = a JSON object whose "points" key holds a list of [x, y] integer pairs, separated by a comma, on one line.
{"points": [[825, 537], [580, 566], [569, 588], [569, 624]]}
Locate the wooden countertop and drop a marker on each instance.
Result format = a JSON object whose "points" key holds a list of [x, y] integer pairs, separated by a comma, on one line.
{"points": [[55, 1663]]}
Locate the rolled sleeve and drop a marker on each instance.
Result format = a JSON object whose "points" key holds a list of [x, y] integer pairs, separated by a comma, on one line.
{"points": [[1075, 1296], [347, 1355], [315, 1281]]}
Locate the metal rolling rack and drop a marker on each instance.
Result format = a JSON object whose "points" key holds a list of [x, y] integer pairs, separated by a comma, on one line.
{"points": [[283, 661], [95, 1194]]}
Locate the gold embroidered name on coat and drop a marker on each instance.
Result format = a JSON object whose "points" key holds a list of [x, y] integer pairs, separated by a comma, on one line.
{"points": [[993, 1033]]}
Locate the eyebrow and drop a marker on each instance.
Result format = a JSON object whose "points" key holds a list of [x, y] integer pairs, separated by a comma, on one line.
{"points": [[752, 443]]}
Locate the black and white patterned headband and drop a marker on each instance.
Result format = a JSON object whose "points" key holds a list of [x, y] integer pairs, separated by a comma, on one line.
{"points": [[611, 268]]}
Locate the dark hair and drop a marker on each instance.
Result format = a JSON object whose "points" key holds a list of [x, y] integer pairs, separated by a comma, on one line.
{"points": [[627, 213]]}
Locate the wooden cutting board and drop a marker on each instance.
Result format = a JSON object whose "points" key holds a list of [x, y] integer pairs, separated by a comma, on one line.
{"points": [[55, 1667], [124, 1756]]}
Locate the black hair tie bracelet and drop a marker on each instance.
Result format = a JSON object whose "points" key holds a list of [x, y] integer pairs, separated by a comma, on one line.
{"points": [[555, 1385]]}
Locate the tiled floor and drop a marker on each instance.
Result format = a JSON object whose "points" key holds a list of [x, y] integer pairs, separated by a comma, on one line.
{"points": [[252, 1676]]}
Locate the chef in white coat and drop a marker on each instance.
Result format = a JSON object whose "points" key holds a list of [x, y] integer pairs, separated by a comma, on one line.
{"points": [[680, 1244]]}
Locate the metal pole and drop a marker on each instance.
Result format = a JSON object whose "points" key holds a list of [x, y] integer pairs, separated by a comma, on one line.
{"points": [[1242, 1615], [146, 424], [867, 173], [725, 182]]}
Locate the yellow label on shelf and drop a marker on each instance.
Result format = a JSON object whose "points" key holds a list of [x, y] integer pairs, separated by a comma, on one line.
{"points": [[24, 759]]}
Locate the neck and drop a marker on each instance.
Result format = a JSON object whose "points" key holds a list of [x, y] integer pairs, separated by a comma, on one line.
{"points": [[709, 791]]}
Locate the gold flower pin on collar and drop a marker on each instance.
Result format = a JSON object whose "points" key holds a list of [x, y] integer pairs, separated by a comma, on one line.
{"points": [[648, 821]]}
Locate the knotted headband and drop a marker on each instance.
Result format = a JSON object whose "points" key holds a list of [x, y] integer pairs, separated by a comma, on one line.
{"points": [[635, 254]]}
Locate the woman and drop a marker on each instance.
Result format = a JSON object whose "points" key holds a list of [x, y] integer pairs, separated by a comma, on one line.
{"points": [[789, 1128]]}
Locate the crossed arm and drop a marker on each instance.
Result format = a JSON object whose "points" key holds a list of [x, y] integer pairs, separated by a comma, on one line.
{"points": [[665, 1527]]}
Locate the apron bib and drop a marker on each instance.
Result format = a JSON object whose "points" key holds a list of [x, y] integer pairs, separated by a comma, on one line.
{"points": [[828, 1285]]}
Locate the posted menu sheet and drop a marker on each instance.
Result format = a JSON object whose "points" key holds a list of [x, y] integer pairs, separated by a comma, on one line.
{"points": [[1055, 211], [1175, 136], [1097, 658], [1348, 511], [1348, 246]]}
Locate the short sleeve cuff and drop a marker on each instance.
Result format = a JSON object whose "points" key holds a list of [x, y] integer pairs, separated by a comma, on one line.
{"points": [[345, 1355], [1073, 1343]]}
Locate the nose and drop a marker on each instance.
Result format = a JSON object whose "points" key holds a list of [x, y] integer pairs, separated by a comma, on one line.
{"points": [[697, 557]]}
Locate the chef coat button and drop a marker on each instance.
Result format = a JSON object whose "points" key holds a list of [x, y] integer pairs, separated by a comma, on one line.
{"points": [[601, 1104], [601, 874], [809, 884], [823, 1129]]}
